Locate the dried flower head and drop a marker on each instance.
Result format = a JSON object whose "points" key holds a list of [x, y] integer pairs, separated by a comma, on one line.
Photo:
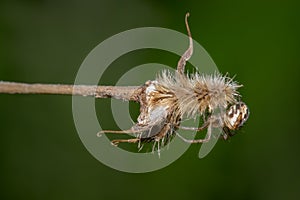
{"points": [[172, 97]]}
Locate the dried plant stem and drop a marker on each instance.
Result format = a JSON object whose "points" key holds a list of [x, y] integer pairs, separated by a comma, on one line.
{"points": [[129, 93]]}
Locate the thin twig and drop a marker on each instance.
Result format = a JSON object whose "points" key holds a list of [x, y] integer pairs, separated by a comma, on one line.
{"points": [[129, 93]]}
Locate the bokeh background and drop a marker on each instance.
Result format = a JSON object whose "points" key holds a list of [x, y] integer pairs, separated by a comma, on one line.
{"points": [[41, 155]]}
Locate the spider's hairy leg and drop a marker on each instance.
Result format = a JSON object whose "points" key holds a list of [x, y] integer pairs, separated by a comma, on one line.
{"points": [[206, 139], [134, 129], [201, 128], [157, 137], [116, 142], [188, 53]]}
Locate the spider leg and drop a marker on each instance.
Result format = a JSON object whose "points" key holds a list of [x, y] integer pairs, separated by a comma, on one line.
{"points": [[188, 53], [134, 129], [204, 126], [196, 141], [158, 136], [116, 142]]}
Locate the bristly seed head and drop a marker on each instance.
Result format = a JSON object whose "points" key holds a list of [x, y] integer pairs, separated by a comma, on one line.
{"points": [[198, 93], [173, 97]]}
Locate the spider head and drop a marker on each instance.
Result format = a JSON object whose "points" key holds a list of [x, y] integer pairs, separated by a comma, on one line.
{"points": [[236, 116]]}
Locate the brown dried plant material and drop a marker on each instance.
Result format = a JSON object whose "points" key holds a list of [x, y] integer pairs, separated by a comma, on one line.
{"points": [[166, 100]]}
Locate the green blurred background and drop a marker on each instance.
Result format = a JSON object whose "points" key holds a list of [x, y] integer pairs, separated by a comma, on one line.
{"points": [[41, 154]]}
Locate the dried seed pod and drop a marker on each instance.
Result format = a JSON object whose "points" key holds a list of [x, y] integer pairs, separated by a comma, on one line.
{"points": [[171, 97]]}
